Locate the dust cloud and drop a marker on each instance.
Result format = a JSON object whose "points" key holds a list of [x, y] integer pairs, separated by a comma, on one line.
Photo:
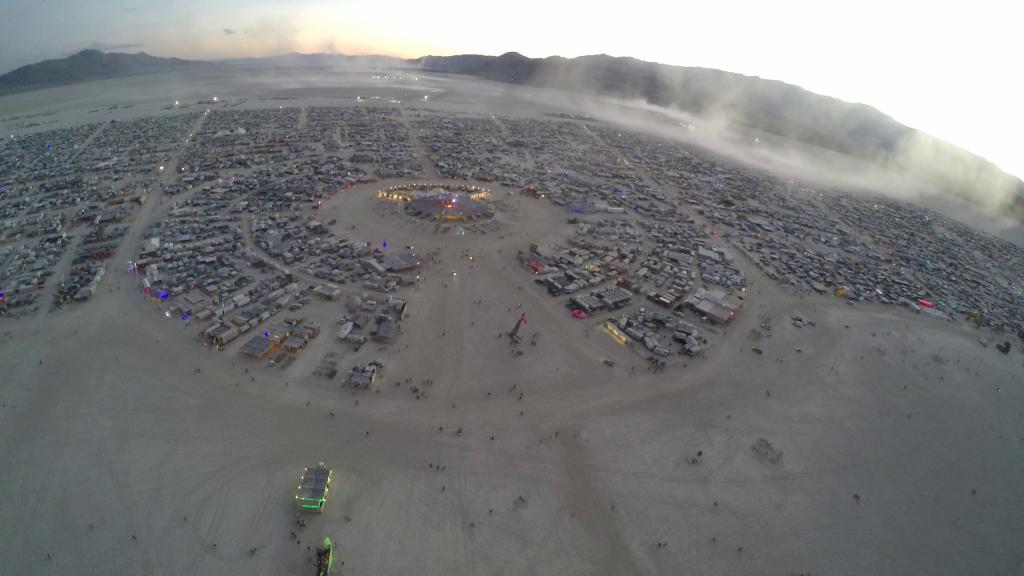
{"points": [[909, 165]]}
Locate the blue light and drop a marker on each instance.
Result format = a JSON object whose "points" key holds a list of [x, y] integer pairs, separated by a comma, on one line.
{"points": [[49, 146], [384, 244], [266, 334], [184, 316], [163, 295]]}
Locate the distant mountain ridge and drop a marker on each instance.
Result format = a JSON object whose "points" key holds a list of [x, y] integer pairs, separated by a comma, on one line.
{"points": [[769, 106], [89, 65]]}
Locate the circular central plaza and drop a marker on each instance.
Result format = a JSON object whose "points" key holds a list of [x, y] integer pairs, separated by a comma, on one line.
{"points": [[442, 202]]}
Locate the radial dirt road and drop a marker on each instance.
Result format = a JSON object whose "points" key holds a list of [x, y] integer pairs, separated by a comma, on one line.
{"points": [[130, 448], [121, 458]]}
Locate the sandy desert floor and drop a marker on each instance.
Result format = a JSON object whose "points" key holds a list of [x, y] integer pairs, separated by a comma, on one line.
{"points": [[901, 437]]}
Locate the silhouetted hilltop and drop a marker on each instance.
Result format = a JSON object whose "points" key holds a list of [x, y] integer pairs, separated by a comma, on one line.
{"points": [[769, 106], [88, 65]]}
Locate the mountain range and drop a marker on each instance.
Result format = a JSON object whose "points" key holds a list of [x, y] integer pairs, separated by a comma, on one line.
{"points": [[768, 106], [89, 65]]}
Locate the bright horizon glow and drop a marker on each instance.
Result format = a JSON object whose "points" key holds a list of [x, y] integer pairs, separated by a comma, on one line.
{"points": [[953, 73]]}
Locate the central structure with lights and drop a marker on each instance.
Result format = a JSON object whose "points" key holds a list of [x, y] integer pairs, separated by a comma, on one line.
{"points": [[440, 202]]}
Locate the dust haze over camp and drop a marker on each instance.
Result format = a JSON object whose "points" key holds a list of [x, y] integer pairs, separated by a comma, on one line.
{"points": [[316, 313]]}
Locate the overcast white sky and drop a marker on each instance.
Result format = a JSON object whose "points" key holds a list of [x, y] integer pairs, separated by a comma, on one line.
{"points": [[953, 70]]}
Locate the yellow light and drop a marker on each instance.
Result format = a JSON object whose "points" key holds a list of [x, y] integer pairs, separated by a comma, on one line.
{"points": [[615, 333]]}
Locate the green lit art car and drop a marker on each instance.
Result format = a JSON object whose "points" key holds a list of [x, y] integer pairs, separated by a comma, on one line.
{"points": [[311, 494], [325, 558]]}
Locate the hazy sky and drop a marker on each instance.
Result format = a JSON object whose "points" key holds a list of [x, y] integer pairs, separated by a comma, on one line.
{"points": [[951, 70]]}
